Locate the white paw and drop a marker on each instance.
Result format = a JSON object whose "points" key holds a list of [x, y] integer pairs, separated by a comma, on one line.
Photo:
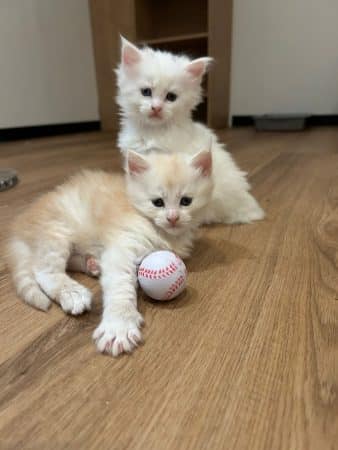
{"points": [[247, 216], [75, 299], [258, 214], [119, 334], [247, 212]]}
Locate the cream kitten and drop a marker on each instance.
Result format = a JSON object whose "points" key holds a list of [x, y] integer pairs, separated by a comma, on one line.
{"points": [[158, 206], [157, 92]]}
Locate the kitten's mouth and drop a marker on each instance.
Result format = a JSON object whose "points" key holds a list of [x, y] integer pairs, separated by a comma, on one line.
{"points": [[174, 229], [155, 115]]}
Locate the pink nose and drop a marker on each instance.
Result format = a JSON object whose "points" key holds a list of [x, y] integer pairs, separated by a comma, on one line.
{"points": [[156, 109], [172, 218]]}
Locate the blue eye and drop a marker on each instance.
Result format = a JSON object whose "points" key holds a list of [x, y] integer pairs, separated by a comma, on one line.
{"points": [[158, 202], [146, 92], [185, 201], [171, 97]]}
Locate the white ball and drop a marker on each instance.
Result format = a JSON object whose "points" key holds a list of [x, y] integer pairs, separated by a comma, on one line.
{"points": [[162, 275]]}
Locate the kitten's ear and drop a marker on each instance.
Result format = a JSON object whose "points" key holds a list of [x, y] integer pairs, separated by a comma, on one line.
{"points": [[203, 162], [130, 54], [136, 163], [198, 67]]}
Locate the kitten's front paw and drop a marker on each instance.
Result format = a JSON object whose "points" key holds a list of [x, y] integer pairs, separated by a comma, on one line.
{"points": [[75, 299], [119, 334]]}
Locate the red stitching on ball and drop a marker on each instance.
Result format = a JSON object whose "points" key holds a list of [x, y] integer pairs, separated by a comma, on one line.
{"points": [[160, 273], [174, 287]]}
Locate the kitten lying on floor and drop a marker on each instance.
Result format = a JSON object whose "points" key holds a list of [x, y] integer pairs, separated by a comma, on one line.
{"points": [[118, 221], [157, 92]]}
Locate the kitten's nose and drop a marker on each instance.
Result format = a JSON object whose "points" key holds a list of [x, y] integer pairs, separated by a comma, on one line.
{"points": [[172, 218], [157, 109]]}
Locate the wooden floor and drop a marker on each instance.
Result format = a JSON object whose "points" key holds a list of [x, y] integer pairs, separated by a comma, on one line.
{"points": [[246, 359]]}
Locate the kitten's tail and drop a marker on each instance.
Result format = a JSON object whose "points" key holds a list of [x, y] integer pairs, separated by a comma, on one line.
{"points": [[23, 276]]}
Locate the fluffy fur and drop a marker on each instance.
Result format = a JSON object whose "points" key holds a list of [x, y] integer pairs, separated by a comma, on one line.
{"points": [[117, 222], [156, 121]]}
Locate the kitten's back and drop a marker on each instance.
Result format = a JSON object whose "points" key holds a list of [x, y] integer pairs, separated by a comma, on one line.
{"points": [[86, 198], [79, 211]]}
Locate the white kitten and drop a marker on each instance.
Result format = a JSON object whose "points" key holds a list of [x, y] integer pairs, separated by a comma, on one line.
{"points": [[93, 213], [157, 92]]}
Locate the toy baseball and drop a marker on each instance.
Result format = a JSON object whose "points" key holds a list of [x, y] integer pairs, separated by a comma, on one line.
{"points": [[162, 275]]}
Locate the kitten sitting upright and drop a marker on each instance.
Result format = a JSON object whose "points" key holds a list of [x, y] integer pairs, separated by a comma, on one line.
{"points": [[157, 92], [94, 213]]}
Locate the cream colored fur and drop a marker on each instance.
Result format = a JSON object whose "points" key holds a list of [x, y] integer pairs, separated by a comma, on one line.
{"points": [[114, 220], [173, 129]]}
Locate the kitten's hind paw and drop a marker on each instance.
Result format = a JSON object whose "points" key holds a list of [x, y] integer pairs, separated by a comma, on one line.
{"points": [[92, 266], [247, 210], [246, 215], [75, 299], [119, 334]]}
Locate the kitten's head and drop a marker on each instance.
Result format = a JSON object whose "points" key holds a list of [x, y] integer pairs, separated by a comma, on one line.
{"points": [[170, 189], [156, 87]]}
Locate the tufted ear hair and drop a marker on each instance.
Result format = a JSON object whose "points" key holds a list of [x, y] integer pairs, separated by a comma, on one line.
{"points": [[198, 67], [203, 162], [130, 54], [136, 164]]}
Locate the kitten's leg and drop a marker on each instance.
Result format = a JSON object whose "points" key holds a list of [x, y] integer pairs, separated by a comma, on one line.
{"points": [[50, 274], [84, 263], [119, 330], [20, 255], [233, 207], [232, 201]]}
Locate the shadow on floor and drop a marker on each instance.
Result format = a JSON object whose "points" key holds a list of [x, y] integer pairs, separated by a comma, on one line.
{"points": [[211, 253]]}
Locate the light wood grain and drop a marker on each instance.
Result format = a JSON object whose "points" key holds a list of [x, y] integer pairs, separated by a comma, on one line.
{"points": [[109, 20], [246, 359], [219, 47]]}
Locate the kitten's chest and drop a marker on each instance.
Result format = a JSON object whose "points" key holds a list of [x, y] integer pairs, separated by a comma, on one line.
{"points": [[167, 140]]}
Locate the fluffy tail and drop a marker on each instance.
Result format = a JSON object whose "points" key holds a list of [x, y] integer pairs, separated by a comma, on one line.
{"points": [[23, 276]]}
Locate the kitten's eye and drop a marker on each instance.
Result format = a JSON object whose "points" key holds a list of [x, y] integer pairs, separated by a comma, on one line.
{"points": [[158, 202], [185, 201], [171, 97], [146, 92]]}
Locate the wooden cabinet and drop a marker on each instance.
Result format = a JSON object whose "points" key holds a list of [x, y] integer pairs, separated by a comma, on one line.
{"points": [[194, 27]]}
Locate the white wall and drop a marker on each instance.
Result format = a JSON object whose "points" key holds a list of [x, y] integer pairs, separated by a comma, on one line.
{"points": [[47, 72], [285, 57]]}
